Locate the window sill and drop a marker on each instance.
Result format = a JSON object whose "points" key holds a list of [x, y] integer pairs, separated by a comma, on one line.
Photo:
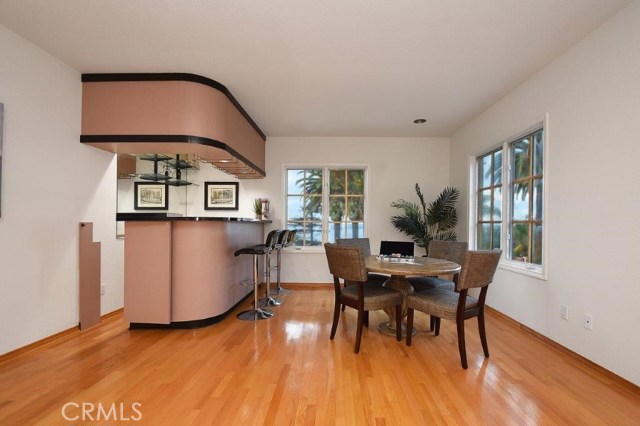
{"points": [[534, 271]]}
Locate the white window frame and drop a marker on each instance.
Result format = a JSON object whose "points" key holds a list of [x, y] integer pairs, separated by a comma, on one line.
{"points": [[325, 198], [537, 271]]}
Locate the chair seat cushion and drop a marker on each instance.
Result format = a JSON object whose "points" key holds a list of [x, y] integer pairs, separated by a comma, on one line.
{"points": [[259, 249], [439, 302], [375, 296], [427, 283]]}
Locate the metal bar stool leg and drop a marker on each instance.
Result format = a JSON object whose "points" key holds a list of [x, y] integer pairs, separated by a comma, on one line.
{"points": [[256, 313], [268, 300], [279, 290]]}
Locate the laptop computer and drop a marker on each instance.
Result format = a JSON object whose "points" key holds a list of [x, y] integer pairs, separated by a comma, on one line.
{"points": [[404, 248]]}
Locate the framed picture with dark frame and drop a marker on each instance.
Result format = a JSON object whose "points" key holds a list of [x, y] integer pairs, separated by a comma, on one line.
{"points": [[151, 196], [221, 195]]}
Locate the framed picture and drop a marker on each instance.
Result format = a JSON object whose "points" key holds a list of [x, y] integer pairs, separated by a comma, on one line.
{"points": [[151, 196], [221, 195]]}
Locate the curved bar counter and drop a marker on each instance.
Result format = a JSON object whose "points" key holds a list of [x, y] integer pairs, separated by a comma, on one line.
{"points": [[180, 272]]}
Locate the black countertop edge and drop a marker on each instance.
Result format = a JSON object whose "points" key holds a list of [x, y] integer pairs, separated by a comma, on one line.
{"points": [[149, 217]]}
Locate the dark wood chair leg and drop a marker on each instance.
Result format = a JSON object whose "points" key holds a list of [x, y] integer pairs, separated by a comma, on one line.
{"points": [[437, 321], [359, 331], [432, 323], [399, 323], [343, 307], [409, 325], [483, 335], [461, 344], [336, 318], [366, 319]]}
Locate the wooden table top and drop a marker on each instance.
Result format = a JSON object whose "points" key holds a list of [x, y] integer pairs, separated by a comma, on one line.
{"points": [[425, 266]]}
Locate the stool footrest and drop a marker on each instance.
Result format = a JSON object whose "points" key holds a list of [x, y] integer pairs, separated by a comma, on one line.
{"points": [[255, 314], [269, 301]]}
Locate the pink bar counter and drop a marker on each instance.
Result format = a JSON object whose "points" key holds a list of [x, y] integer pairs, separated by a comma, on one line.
{"points": [[181, 272]]}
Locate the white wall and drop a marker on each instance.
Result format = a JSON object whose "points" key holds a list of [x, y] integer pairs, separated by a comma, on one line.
{"points": [[395, 165], [50, 183], [592, 95]]}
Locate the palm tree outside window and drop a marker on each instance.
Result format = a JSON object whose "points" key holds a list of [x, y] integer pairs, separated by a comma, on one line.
{"points": [[325, 203], [510, 198]]}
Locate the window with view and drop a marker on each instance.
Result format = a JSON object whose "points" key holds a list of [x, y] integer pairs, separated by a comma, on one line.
{"points": [[489, 200], [526, 161], [516, 188], [324, 204]]}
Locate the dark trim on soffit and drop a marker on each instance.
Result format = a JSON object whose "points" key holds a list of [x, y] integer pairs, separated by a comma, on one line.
{"points": [[96, 139], [173, 76]]}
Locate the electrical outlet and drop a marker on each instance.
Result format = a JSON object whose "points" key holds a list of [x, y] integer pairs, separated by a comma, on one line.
{"points": [[564, 312], [103, 289], [588, 321]]}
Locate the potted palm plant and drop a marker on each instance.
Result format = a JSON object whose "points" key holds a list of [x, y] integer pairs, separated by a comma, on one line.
{"points": [[425, 223], [257, 208]]}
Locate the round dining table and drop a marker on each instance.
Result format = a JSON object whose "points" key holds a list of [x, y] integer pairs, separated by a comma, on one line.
{"points": [[399, 269]]}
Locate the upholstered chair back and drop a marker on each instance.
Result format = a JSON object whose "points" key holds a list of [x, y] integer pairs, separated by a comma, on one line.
{"points": [[478, 268], [346, 262], [452, 251], [363, 243]]}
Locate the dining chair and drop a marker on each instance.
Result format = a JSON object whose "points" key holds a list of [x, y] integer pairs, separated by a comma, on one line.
{"points": [[453, 251], [478, 269], [364, 244], [348, 263]]}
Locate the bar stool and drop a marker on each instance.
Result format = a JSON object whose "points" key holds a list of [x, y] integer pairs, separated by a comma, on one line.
{"points": [[283, 238], [257, 313], [272, 243], [287, 239]]}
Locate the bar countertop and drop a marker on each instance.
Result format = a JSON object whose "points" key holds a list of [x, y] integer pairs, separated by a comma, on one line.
{"points": [[151, 217]]}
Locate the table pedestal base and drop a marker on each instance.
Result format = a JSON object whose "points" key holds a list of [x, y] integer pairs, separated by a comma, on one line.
{"points": [[400, 283], [389, 329]]}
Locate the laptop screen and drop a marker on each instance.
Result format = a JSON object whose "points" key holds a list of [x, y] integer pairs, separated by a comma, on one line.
{"points": [[404, 248]]}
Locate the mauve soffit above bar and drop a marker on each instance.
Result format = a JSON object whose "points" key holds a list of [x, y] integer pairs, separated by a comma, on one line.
{"points": [[170, 113]]}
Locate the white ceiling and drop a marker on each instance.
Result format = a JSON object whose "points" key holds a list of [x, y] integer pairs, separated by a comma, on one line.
{"points": [[323, 67]]}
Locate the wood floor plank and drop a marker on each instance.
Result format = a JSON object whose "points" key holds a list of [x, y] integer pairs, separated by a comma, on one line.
{"points": [[286, 371]]}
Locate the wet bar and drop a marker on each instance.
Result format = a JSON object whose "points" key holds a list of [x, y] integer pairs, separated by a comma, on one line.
{"points": [[180, 272]]}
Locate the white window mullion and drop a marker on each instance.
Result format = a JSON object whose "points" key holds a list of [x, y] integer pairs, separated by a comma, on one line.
{"points": [[473, 203], [506, 200], [325, 205]]}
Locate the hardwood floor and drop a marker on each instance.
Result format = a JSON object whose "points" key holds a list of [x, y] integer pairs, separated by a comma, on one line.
{"points": [[285, 370]]}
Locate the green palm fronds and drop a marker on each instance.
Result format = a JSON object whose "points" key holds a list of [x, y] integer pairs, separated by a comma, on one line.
{"points": [[425, 223], [442, 211]]}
